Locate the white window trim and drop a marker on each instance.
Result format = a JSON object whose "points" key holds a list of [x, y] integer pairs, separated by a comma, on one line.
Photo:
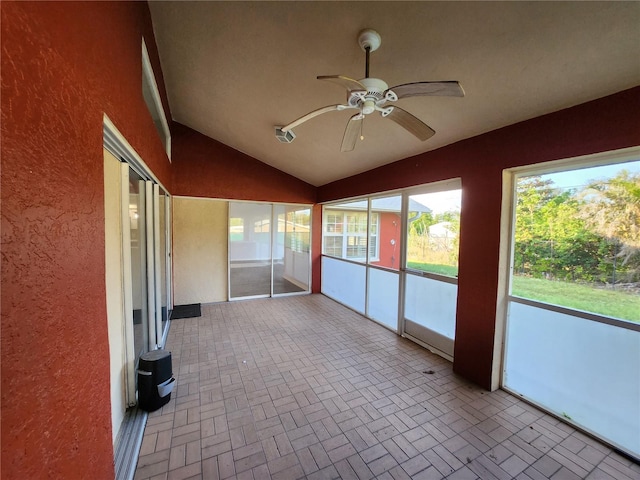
{"points": [[148, 75], [345, 234]]}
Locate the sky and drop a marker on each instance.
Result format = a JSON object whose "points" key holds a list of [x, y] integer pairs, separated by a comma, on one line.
{"points": [[580, 178], [440, 202], [450, 200]]}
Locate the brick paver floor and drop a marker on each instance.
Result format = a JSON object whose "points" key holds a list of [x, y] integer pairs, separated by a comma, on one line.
{"points": [[302, 387]]}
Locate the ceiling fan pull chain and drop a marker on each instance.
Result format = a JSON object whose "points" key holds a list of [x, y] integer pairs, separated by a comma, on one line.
{"points": [[362, 129]]}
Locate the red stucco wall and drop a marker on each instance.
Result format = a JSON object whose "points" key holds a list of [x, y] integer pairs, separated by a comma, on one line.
{"points": [[605, 124], [63, 65], [204, 167]]}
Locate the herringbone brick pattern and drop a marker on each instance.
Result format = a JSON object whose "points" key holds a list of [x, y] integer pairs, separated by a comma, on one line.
{"points": [[301, 387]]}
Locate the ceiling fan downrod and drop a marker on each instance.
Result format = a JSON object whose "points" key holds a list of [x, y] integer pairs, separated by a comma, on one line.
{"points": [[369, 40], [366, 68]]}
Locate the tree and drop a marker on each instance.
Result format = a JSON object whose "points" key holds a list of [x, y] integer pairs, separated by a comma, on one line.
{"points": [[612, 209], [419, 223], [551, 238], [570, 246], [591, 235], [532, 193]]}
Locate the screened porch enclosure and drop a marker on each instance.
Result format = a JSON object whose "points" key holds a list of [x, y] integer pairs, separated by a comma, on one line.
{"points": [[572, 342], [393, 258], [269, 249]]}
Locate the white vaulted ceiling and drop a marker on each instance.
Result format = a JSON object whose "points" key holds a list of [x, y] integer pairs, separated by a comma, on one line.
{"points": [[234, 70]]}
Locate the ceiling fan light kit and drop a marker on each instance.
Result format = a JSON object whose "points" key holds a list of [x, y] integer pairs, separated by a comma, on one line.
{"points": [[369, 95]]}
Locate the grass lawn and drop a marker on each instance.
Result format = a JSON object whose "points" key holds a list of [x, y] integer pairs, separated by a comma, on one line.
{"points": [[434, 268], [612, 303]]}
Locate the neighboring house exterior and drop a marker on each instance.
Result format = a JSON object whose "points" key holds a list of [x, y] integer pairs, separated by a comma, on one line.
{"points": [[441, 236], [345, 230]]}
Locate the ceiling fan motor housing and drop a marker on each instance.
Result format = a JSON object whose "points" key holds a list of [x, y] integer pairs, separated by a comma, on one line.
{"points": [[373, 96], [375, 87]]}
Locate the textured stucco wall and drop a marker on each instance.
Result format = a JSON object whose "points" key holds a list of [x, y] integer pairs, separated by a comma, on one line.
{"points": [[207, 168], [63, 66], [199, 250], [601, 125]]}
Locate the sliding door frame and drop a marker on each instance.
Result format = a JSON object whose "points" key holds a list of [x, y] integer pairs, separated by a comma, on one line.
{"points": [[272, 236], [114, 142]]}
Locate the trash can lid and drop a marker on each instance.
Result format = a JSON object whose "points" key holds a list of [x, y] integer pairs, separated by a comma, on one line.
{"points": [[155, 355]]}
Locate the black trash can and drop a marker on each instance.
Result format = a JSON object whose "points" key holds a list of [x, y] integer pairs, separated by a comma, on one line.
{"points": [[155, 380]]}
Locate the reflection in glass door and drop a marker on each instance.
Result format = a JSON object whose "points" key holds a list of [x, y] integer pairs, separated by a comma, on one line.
{"points": [[430, 279], [269, 249], [385, 247], [163, 213], [137, 222], [291, 243], [249, 249]]}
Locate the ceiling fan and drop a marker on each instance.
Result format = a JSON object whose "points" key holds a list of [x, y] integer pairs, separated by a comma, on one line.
{"points": [[370, 94]]}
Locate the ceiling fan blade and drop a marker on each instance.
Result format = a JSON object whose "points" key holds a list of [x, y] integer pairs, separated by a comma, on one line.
{"points": [[310, 115], [349, 83], [410, 123], [351, 133], [444, 89]]}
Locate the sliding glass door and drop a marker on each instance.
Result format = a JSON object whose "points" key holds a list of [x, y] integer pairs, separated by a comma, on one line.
{"points": [[430, 281], [291, 249], [138, 246], [269, 249], [163, 279], [249, 249], [137, 266], [146, 279]]}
